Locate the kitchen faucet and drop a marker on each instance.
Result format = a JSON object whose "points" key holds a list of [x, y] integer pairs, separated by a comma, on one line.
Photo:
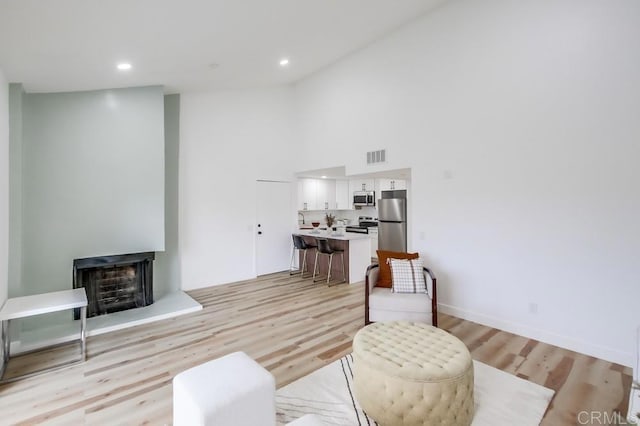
{"points": [[300, 214]]}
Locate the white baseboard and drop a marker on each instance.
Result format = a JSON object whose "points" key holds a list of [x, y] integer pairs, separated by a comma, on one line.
{"points": [[566, 342]]}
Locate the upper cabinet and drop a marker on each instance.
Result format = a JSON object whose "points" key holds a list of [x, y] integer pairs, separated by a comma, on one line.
{"points": [[316, 194], [389, 185], [361, 185], [307, 194], [344, 198], [331, 194], [325, 194]]}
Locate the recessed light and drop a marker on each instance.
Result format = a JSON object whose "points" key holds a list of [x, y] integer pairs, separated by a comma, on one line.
{"points": [[323, 177], [284, 62], [124, 66]]}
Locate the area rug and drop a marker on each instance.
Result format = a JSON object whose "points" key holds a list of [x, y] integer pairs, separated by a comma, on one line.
{"points": [[500, 398]]}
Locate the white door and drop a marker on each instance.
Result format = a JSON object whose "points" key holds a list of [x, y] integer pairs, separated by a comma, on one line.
{"points": [[273, 227]]}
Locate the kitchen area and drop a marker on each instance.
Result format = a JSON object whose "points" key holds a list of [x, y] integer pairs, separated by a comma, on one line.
{"points": [[358, 214]]}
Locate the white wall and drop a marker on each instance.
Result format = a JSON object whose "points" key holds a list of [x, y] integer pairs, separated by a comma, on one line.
{"points": [[4, 187], [520, 123], [93, 180], [228, 140]]}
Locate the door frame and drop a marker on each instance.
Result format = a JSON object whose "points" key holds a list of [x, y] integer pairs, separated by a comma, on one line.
{"points": [[255, 225]]}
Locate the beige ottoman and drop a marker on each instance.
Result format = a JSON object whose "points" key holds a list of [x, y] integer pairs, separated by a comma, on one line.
{"points": [[408, 373]]}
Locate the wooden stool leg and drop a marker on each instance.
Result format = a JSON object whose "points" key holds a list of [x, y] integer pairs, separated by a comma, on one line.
{"points": [[315, 265], [329, 271], [293, 253], [304, 262]]}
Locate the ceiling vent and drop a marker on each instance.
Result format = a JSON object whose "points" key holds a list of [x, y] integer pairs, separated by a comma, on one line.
{"points": [[374, 157]]}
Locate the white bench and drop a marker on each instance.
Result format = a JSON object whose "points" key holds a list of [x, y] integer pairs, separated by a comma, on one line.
{"points": [[27, 306]]}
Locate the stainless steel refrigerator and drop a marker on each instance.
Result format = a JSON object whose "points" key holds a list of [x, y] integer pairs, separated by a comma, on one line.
{"points": [[392, 224]]}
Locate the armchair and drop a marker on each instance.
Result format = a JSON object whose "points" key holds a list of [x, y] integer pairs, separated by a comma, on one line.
{"points": [[380, 304]]}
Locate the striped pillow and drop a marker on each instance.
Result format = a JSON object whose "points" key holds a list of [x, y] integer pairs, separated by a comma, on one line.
{"points": [[407, 276]]}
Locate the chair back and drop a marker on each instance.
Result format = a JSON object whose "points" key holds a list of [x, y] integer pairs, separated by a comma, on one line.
{"points": [[323, 246], [298, 242]]}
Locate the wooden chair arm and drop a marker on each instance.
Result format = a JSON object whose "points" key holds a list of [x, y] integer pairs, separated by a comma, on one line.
{"points": [[371, 278], [433, 292]]}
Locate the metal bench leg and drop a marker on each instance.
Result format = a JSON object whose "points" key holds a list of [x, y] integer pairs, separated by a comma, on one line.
{"points": [[83, 333], [6, 344]]}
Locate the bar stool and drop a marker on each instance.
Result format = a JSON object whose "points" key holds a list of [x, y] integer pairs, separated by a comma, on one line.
{"points": [[300, 244], [324, 248]]}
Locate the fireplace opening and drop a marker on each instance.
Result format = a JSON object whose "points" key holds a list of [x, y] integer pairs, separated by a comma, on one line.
{"points": [[115, 283]]}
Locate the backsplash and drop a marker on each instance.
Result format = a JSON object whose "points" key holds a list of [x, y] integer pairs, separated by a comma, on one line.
{"points": [[351, 215]]}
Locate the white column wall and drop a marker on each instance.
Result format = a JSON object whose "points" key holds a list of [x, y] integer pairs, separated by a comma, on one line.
{"points": [[4, 187], [92, 180]]}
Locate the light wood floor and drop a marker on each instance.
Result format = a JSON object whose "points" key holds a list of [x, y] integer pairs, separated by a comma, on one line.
{"points": [[291, 327]]}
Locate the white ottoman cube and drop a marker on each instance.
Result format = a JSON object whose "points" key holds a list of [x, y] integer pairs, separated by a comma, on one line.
{"points": [[230, 391]]}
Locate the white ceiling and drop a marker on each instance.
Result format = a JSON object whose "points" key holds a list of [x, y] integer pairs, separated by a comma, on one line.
{"points": [[69, 45]]}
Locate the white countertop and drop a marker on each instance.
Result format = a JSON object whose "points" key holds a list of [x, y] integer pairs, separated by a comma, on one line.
{"points": [[343, 236]]}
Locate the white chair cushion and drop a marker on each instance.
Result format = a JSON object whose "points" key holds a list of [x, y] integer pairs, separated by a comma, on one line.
{"points": [[383, 299]]}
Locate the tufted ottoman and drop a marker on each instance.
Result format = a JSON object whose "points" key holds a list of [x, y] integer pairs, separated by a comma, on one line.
{"points": [[408, 373]]}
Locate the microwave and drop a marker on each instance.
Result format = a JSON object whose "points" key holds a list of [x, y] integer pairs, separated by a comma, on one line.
{"points": [[364, 198]]}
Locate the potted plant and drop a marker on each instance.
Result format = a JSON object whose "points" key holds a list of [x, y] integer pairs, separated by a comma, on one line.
{"points": [[330, 219]]}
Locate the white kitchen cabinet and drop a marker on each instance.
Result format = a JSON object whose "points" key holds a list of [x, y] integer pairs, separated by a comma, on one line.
{"points": [[361, 185], [398, 184], [390, 184], [373, 233], [344, 198], [325, 194], [307, 189], [316, 194]]}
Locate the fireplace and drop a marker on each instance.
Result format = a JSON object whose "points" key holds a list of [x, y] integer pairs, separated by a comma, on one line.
{"points": [[115, 283]]}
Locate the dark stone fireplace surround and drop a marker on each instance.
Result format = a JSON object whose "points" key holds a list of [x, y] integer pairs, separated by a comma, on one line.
{"points": [[115, 283]]}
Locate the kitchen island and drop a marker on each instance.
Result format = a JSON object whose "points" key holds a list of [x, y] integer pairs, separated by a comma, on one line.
{"points": [[357, 254]]}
